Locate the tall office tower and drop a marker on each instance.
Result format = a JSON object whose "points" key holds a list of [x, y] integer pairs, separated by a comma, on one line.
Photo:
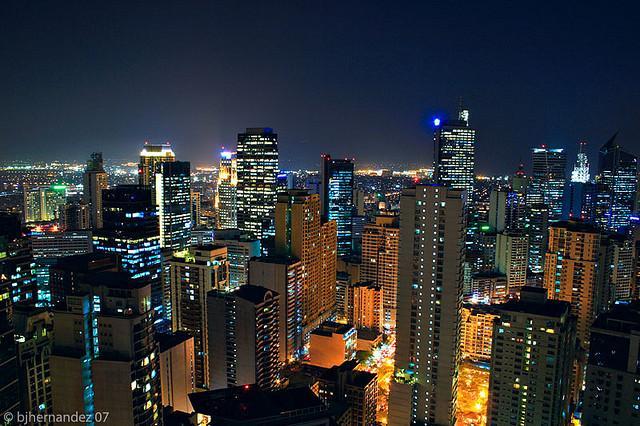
{"points": [[257, 161], [618, 170], [548, 179], [580, 171], [283, 275], [33, 328], [196, 208], [130, 231], [177, 370], [173, 197], [336, 197], [612, 388], [9, 390], [105, 358], [300, 233], [357, 229], [194, 272], [537, 230], [617, 269], [43, 204], [507, 211], [380, 261], [94, 180], [150, 156], [531, 362], [75, 215], [454, 153], [226, 201], [580, 202], [512, 250], [476, 334], [571, 271], [364, 306], [240, 249], [244, 337], [18, 272], [358, 389], [429, 306]]}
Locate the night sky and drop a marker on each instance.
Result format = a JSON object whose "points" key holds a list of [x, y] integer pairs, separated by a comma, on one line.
{"points": [[359, 79]]}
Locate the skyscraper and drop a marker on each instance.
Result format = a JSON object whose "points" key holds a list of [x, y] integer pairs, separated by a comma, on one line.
{"points": [[454, 153], [512, 251], [612, 386], [130, 231], [536, 229], [240, 249], [226, 191], [580, 171], [173, 198], [94, 180], [424, 390], [336, 198], [150, 156], [571, 271], [283, 275], [380, 261], [618, 171], [548, 179], [105, 358], [301, 234], [193, 273], [257, 161], [531, 362], [43, 203], [244, 337]]}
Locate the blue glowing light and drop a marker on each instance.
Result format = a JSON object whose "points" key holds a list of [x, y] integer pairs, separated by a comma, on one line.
{"points": [[436, 122]]}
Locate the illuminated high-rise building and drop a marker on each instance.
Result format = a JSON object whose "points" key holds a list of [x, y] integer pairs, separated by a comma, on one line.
{"points": [[240, 249], [618, 171], [9, 391], [476, 333], [243, 337], [105, 357], [537, 229], [425, 385], [617, 269], [380, 261], [173, 198], [130, 231], [580, 171], [300, 233], [283, 275], [531, 362], [257, 161], [548, 179], [33, 328], [43, 204], [150, 156], [571, 271], [454, 153], [512, 251], [612, 385], [364, 306], [226, 191], [193, 273], [95, 179], [336, 198], [507, 211], [196, 208], [76, 214]]}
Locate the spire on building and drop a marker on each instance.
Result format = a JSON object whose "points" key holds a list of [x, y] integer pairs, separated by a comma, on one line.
{"points": [[580, 171]]}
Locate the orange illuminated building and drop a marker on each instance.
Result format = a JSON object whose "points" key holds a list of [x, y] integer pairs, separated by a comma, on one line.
{"points": [[380, 260], [364, 306], [476, 332], [570, 271], [301, 234]]}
